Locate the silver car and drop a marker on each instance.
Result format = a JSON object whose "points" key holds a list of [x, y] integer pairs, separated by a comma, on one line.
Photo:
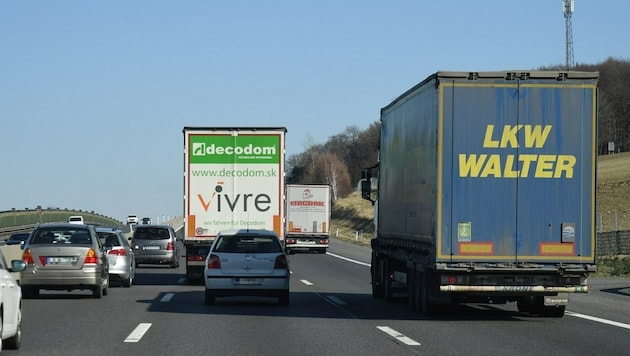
{"points": [[121, 258], [155, 244], [10, 304], [63, 256], [247, 263]]}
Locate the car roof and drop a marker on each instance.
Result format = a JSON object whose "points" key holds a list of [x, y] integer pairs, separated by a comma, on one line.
{"points": [[251, 232], [147, 226], [63, 224], [106, 229]]}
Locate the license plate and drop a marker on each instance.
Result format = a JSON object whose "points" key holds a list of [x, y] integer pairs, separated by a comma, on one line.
{"points": [[241, 280], [59, 260], [151, 247], [311, 242]]}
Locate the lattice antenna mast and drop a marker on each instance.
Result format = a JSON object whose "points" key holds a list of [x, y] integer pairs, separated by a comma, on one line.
{"points": [[567, 8]]}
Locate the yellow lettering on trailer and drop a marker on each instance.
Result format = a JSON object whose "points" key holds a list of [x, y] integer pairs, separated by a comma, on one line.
{"points": [[485, 165], [534, 135], [544, 166]]}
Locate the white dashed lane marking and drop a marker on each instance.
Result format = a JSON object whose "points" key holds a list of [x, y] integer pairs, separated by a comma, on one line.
{"points": [[138, 332], [398, 336], [167, 297], [306, 282]]}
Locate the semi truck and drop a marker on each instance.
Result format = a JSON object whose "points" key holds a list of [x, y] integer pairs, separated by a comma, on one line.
{"points": [[485, 191], [233, 179], [308, 217]]}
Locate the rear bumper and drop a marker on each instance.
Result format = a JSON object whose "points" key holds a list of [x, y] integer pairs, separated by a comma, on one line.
{"points": [[514, 290], [156, 259], [62, 280], [227, 286]]}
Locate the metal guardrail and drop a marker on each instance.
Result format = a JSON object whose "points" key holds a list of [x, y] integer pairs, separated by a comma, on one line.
{"points": [[12, 229]]}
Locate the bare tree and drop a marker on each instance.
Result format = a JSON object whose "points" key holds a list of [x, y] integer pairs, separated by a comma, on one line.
{"points": [[331, 170]]}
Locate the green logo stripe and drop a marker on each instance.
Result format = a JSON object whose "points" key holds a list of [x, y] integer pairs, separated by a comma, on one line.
{"points": [[234, 149]]}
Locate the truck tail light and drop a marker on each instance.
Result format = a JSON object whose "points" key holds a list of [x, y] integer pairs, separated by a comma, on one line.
{"points": [[27, 257], [281, 262], [324, 241], [214, 262], [90, 257], [195, 258], [290, 241]]}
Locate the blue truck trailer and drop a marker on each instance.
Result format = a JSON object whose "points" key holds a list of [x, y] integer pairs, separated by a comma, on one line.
{"points": [[485, 190]]}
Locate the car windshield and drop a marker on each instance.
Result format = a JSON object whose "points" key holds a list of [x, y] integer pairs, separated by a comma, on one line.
{"points": [[151, 234], [247, 244], [62, 235]]}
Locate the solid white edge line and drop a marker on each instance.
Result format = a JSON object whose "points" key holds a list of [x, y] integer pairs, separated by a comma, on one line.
{"points": [[599, 320], [398, 336], [138, 332], [349, 259], [167, 297], [306, 282]]}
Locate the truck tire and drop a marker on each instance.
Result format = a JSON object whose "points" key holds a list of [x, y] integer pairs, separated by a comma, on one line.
{"points": [[554, 312], [387, 282], [524, 304], [377, 282], [539, 307]]}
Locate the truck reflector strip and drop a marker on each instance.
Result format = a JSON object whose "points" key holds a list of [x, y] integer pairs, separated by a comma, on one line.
{"points": [[475, 248], [556, 248]]}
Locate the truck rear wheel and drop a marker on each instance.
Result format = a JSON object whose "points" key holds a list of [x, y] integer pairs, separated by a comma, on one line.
{"points": [[377, 280]]}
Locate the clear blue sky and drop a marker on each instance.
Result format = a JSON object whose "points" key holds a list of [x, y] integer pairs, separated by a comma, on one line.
{"points": [[94, 94]]}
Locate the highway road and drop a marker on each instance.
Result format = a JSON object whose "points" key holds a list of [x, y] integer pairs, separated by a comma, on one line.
{"points": [[332, 312]]}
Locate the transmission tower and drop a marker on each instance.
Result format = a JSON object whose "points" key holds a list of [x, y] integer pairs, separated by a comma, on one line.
{"points": [[567, 9]]}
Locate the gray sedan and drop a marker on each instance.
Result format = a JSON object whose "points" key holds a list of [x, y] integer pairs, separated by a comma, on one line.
{"points": [[121, 258], [62, 256]]}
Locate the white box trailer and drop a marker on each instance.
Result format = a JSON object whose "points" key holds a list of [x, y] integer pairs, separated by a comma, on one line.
{"points": [[308, 217], [233, 179]]}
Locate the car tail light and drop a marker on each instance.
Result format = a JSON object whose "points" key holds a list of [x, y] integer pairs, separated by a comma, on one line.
{"points": [[214, 262], [118, 252], [90, 257], [281, 262], [169, 247], [27, 256], [195, 258]]}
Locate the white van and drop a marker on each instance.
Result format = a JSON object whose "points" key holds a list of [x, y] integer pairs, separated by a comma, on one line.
{"points": [[76, 219], [132, 219]]}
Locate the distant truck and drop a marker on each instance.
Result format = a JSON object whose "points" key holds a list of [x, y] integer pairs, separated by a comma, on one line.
{"points": [[486, 190], [233, 179], [308, 217]]}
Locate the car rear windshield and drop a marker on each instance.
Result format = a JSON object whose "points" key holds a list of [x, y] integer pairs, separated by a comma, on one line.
{"points": [[61, 236], [151, 234], [108, 238], [248, 244]]}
